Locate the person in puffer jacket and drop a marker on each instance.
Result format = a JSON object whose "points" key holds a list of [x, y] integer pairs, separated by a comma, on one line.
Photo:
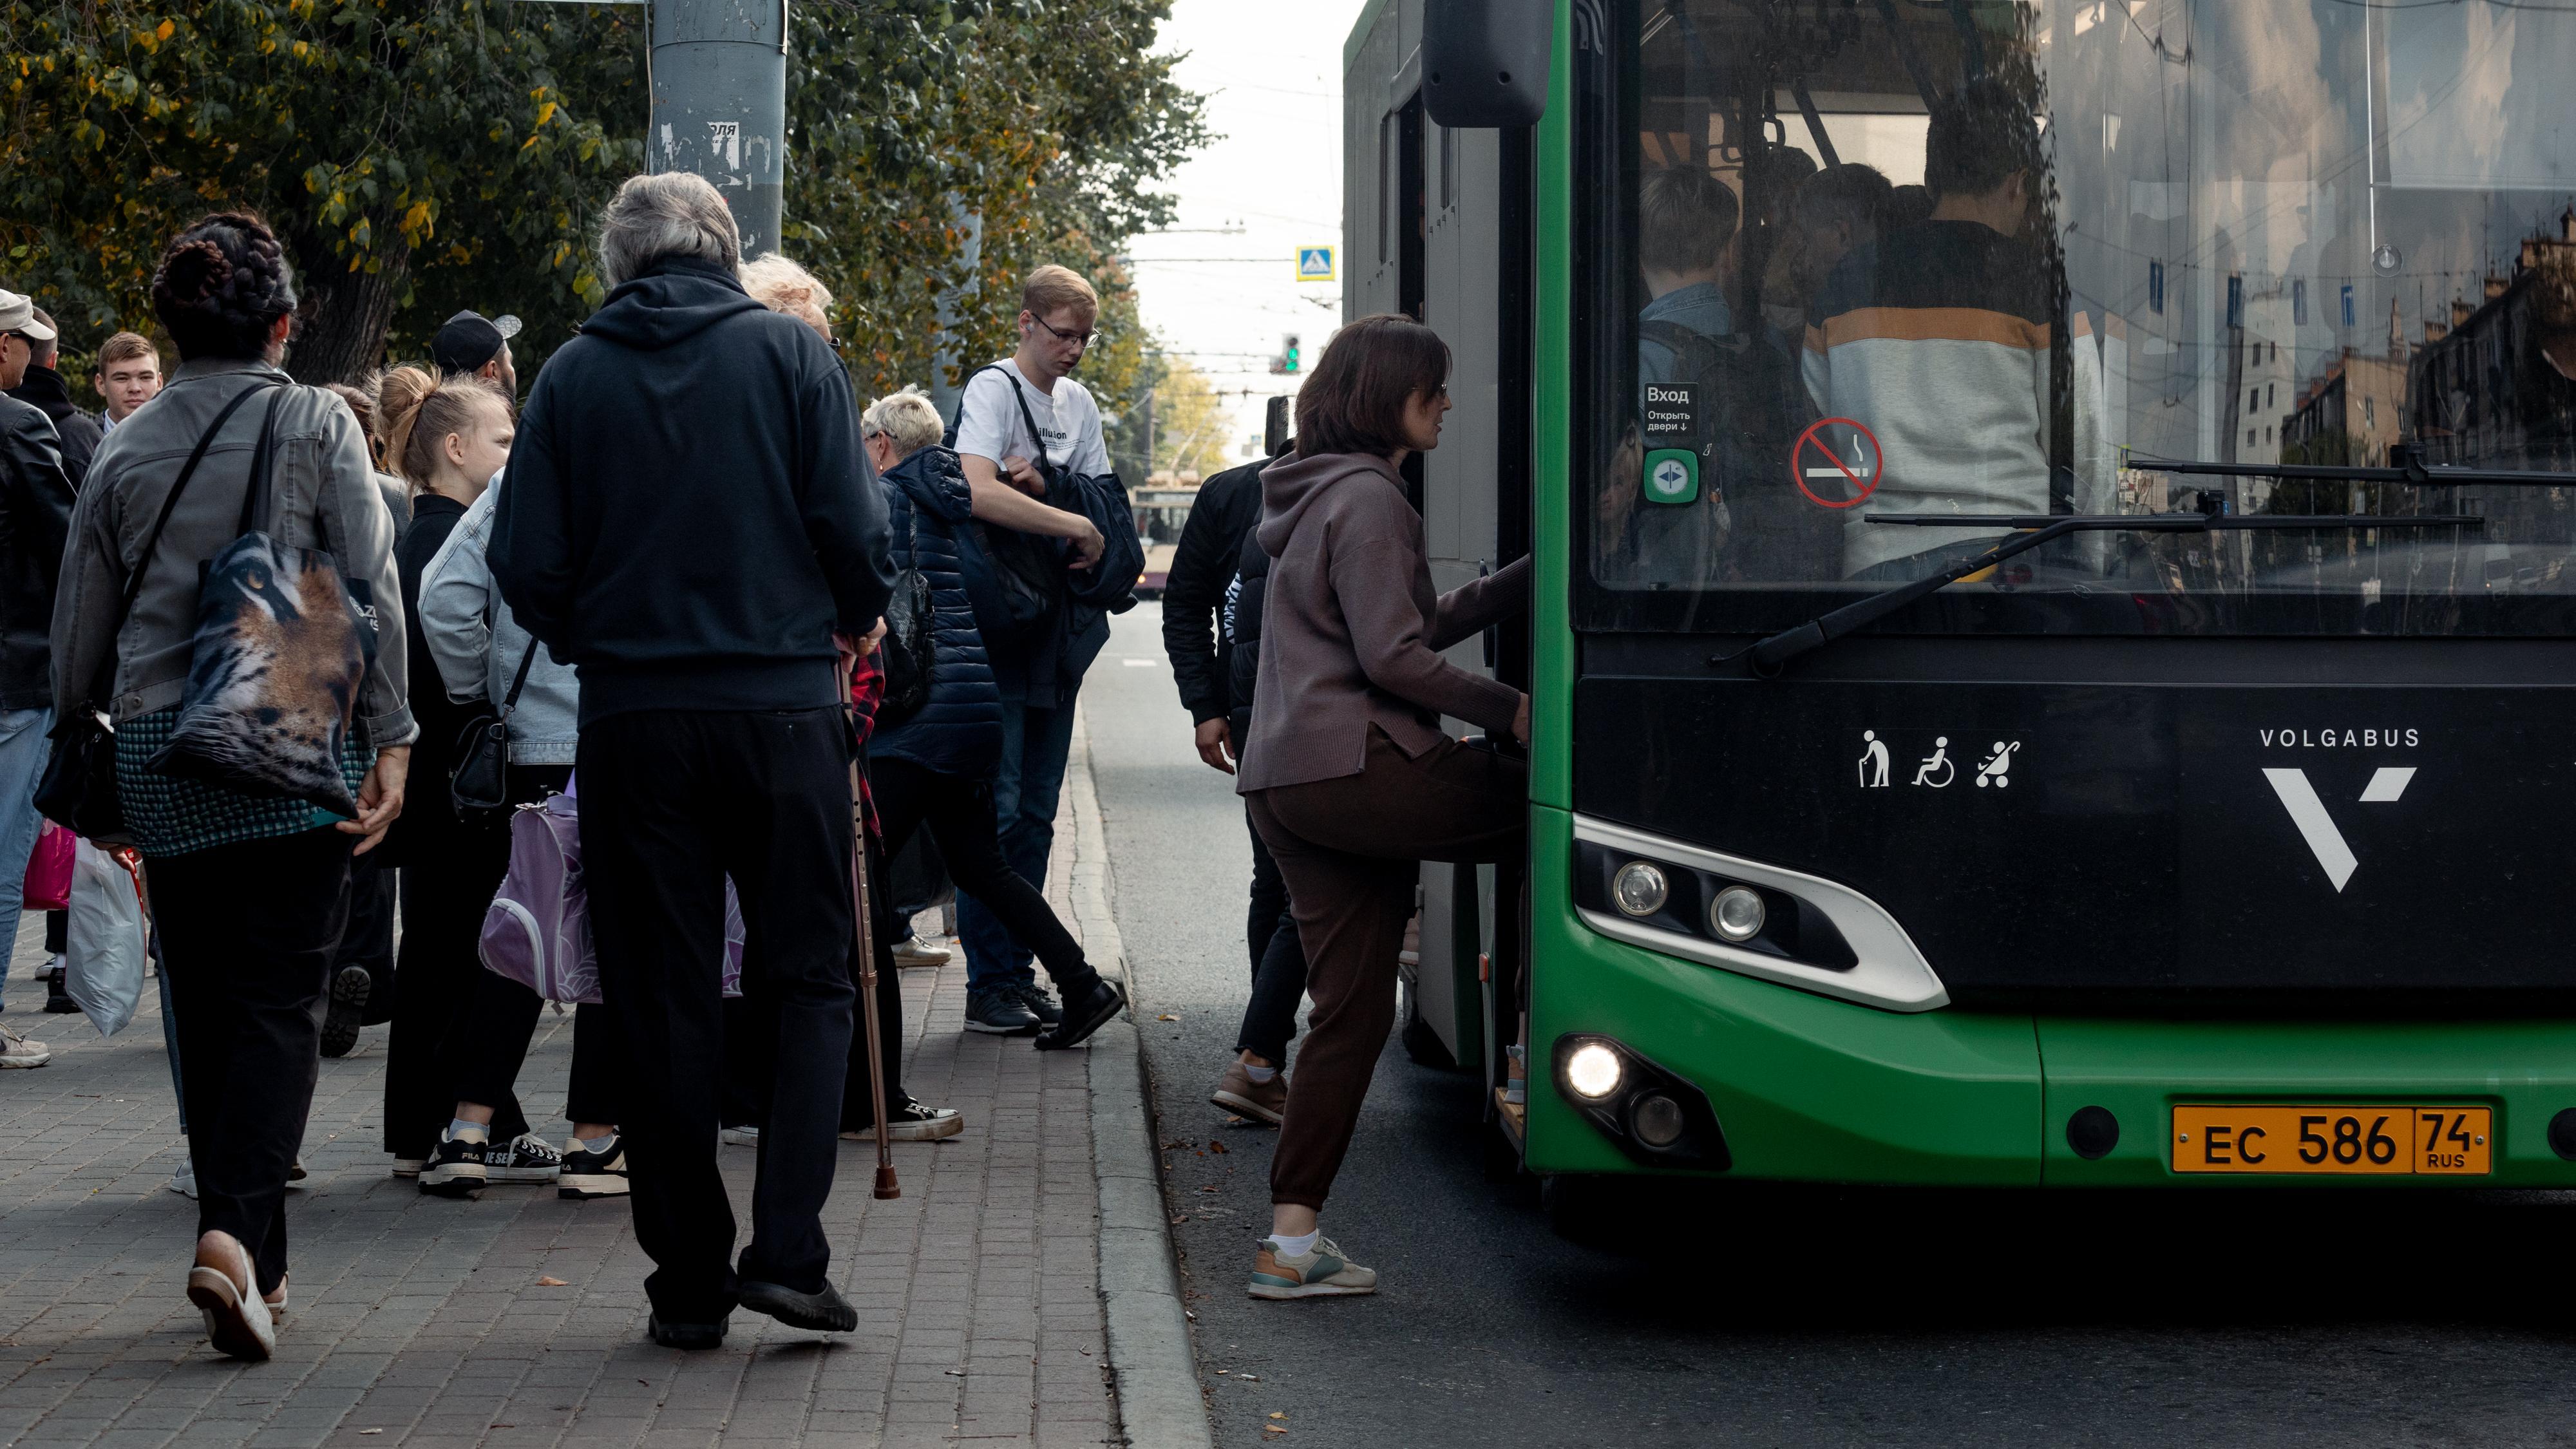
{"points": [[935, 769]]}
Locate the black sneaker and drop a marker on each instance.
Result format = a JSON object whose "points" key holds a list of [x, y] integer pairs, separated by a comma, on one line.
{"points": [[349, 988], [58, 1002], [823, 1312], [684, 1335], [914, 1121], [1000, 1014], [524, 1158], [1104, 1001], [588, 1174], [1040, 1005], [454, 1169]]}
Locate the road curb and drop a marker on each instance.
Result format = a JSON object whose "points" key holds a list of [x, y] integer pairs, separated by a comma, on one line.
{"points": [[1159, 1404]]}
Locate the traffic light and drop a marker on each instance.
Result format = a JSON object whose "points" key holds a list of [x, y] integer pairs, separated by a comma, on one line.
{"points": [[1288, 353]]}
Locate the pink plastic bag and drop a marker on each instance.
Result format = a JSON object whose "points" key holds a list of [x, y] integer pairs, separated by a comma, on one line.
{"points": [[49, 870]]}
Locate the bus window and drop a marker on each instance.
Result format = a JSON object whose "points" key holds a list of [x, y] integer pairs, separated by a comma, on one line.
{"points": [[1870, 268]]}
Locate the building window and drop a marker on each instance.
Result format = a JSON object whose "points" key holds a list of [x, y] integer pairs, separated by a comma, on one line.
{"points": [[2249, 437], [2253, 400], [2370, 411], [2272, 390]]}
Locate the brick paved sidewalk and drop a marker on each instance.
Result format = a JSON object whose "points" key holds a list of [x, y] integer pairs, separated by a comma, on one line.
{"points": [[423, 1322]]}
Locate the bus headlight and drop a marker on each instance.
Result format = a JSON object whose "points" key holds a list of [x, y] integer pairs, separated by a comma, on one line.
{"points": [[1593, 1071], [1640, 889], [1736, 914]]}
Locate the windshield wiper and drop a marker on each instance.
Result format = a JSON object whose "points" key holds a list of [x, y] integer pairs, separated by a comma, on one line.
{"points": [[1767, 657], [2421, 474]]}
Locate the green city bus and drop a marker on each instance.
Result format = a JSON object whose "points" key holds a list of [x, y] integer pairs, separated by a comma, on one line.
{"points": [[2052, 652]]}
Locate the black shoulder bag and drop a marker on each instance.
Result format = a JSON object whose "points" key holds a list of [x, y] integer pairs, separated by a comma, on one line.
{"points": [[1028, 571], [481, 778], [78, 789]]}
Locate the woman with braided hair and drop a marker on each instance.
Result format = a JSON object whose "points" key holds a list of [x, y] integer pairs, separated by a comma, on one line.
{"points": [[249, 891]]}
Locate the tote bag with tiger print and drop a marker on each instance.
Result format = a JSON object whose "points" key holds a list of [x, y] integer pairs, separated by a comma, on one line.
{"points": [[281, 648]]}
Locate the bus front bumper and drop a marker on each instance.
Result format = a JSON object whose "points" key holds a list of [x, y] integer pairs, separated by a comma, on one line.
{"points": [[1809, 1088]]}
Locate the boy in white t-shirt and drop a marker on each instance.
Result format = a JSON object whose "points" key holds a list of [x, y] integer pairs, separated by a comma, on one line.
{"points": [[994, 441]]}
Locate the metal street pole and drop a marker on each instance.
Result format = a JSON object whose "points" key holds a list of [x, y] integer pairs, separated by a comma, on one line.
{"points": [[718, 77]]}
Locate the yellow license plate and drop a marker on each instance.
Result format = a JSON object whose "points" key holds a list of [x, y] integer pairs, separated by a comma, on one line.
{"points": [[2375, 1138]]}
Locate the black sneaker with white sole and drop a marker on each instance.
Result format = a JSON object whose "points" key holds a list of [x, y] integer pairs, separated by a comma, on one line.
{"points": [[913, 1121], [1000, 1014], [349, 988], [588, 1174], [526, 1158], [454, 1168], [1040, 1005]]}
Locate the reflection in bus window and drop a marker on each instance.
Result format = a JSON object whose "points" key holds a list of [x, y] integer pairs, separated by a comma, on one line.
{"points": [[1990, 257]]}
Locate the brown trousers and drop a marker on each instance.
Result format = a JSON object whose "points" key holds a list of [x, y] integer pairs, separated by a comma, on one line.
{"points": [[1348, 849]]}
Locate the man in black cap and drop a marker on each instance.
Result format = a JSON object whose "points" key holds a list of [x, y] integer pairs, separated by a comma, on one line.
{"points": [[472, 342]]}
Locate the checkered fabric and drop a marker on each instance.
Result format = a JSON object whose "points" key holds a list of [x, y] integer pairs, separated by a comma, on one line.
{"points": [[170, 816]]}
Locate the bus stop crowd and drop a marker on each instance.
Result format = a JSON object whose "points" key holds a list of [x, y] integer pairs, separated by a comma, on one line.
{"points": [[303, 659]]}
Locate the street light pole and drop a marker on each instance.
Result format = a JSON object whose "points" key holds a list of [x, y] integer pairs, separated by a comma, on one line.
{"points": [[718, 76]]}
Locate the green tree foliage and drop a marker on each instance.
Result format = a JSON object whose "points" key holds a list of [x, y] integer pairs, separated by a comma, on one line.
{"points": [[414, 155], [424, 155]]}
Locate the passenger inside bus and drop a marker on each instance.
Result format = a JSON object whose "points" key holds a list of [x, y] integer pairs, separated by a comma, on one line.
{"points": [[1939, 336]]}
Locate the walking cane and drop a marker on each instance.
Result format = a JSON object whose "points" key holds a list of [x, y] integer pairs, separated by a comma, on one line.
{"points": [[886, 1185]]}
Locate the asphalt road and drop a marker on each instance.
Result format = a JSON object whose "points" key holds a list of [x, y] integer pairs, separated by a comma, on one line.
{"points": [[1751, 1314]]}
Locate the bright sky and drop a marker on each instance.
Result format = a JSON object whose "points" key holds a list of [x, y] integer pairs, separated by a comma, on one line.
{"points": [[1272, 72]]}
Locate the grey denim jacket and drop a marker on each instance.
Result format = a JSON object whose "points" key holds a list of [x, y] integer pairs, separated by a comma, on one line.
{"points": [[324, 495], [477, 646]]}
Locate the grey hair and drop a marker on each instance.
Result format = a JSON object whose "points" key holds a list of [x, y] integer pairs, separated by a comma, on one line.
{"points": [[672, 214], [909, 421]]}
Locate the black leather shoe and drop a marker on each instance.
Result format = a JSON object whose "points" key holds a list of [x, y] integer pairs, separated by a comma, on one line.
{"points": [[684, 1335], [348, 1009], [1103, 1002], [823, 1312]]}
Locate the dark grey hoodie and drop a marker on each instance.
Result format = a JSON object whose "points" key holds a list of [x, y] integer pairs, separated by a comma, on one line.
{"points": [[689, 516], [1351, 631]]}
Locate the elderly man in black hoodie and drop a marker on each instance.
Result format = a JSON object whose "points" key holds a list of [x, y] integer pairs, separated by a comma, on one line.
{"points": [[690, 521]]}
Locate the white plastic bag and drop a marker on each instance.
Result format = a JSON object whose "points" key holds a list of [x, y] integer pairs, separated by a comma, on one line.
{"points": [[103, 960]]}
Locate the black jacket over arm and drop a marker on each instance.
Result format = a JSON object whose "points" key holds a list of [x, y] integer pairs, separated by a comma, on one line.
{"points": [[1194, 593], [35, 519], [690, 516], [75, 431]]}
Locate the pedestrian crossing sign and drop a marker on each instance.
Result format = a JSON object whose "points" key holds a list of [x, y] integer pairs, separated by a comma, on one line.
{"points": [[1314, 264]]}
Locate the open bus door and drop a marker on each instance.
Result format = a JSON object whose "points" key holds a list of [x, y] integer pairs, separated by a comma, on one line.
{"points": [[1449, 210]]}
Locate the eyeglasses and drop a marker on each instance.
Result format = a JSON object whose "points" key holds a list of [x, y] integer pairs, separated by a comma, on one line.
{"points": [[1078, 339]]}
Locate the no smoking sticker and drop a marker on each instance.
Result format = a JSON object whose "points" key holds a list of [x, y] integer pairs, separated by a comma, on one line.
{"points": [[1836, 463]]}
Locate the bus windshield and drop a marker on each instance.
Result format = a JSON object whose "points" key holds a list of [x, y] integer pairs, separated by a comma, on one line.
{"points": [[1872, 261]]}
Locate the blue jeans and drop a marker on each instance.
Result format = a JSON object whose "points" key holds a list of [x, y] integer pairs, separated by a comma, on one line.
{"points": [[22, 759], [1036, 744]]}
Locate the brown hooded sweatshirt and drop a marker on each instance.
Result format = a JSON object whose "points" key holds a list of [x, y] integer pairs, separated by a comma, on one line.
{"points": [[1351, 631]]}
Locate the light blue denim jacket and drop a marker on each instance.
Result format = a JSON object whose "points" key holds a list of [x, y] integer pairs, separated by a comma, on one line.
{"points": [[477, 645]]}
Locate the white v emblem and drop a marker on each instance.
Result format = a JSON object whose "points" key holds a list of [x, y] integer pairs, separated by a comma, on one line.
{"points": [[2318, 828]]}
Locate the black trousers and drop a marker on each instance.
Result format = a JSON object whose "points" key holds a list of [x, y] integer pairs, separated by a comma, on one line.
{"points": [[248, 934], [374, 891], [487, 1041], [672, 802], [446, 996], [958, 810], [745, 1021], [1278, 959]]}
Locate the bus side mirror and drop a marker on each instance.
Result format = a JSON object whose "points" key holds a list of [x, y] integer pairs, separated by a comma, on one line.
{"points": [[1484, 62]]}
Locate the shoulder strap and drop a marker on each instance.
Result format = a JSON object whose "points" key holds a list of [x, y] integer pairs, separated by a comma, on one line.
{"points": [[519, 681], [959, 416], [263, 462], [1029, 420], [169, 504]]}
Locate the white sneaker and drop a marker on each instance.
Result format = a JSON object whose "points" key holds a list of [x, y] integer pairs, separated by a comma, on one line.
{"points": [[917, 950], [17, 1051], [738, 1136], [184, 1180]]}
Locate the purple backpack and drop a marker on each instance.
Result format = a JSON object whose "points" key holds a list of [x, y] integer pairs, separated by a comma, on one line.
{"points": [[537, 930]]}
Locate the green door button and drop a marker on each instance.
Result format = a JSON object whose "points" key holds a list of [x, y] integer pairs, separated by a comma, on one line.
{"points": [[1672, 475]]}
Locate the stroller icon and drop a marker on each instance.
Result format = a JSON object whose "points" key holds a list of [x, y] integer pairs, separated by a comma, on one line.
{"points": [[1996, 770]]}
